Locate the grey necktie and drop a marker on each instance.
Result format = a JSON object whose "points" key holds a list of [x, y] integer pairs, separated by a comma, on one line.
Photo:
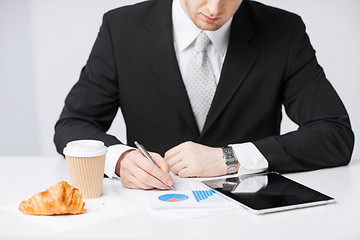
{"points": [[200, 80]]}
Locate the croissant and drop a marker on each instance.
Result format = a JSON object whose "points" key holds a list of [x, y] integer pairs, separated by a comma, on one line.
{"points": [[58, 199]]}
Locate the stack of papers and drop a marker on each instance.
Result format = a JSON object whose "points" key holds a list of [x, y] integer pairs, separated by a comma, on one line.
{"points": [[190, 200]]}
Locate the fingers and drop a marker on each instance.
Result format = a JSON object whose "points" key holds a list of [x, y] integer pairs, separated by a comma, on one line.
{"points": [[191, 159], [176, 158], [172, 161], [133, 182], [177, 163], [154, 172], [160, 162], [146, 181], [138, 172], [185, 172], [186, 148], [173, 152], [182, 168]]}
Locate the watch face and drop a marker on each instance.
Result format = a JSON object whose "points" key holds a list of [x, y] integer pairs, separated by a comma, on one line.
{"points": [[228, 153]]}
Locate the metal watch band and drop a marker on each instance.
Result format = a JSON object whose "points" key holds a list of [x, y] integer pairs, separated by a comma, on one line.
{"points": [[230, 160]]}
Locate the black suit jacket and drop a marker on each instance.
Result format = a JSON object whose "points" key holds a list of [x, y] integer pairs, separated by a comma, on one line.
{"points": [[269, 63]]}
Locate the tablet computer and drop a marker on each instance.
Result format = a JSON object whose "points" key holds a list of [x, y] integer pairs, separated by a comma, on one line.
{"points": [[268, 192]]}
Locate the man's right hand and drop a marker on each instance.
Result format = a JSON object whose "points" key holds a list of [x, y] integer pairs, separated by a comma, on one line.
{"points": [[138, 172]]}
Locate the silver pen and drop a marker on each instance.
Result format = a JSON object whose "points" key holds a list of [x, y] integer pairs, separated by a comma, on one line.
{"points": [[145, 153]]}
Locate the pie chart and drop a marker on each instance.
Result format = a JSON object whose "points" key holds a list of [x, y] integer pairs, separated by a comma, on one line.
{"points": [[174, 197]]}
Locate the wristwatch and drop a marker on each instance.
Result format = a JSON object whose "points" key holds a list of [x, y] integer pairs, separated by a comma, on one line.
{"points": [[230, 160]]}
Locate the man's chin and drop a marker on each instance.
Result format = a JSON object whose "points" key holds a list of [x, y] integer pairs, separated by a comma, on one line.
{"points": [[208, 26]]}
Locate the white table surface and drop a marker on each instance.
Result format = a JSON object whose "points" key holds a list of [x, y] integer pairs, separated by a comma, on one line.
{"points": [[22, 177]]}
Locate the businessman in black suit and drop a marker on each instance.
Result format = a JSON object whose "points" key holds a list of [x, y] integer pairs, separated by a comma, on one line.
{"points": [[260, 57]]}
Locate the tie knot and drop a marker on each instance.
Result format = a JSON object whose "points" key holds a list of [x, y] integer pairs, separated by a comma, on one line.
{"points": [[201, 42]]}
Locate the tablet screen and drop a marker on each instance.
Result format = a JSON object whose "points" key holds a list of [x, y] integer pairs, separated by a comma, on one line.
{"points": [[268, 192]]}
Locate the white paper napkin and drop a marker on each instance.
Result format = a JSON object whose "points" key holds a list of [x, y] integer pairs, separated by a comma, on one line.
{"points": [[109, 205]]}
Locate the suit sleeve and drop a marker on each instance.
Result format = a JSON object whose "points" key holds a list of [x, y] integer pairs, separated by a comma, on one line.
{"points": [[92, 103], [324, 137]]}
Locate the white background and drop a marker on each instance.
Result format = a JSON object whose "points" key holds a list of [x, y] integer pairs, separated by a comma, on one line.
{"points": [[45, 43]]}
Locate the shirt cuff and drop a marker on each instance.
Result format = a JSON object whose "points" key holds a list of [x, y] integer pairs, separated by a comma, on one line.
{"points": [[112, 156], [250, 158]]}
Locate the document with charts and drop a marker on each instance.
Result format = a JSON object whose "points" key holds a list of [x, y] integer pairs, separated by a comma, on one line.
{"points": [[188, 193]]}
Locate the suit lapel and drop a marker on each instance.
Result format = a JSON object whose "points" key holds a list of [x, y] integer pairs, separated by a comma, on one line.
{"points": [[239, 59], [158, 48]]}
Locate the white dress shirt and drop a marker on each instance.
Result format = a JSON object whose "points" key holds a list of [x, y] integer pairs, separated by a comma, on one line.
{"points": [[185, 33]]}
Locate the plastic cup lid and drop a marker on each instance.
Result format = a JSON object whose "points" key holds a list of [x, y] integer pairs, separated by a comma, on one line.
{"points": [[85, 148]]}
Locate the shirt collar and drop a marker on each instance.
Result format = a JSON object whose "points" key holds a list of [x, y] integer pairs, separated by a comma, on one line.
{"points": [[185, 31]]}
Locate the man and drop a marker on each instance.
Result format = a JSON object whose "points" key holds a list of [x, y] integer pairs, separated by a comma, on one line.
{"points": [[194, 76]]}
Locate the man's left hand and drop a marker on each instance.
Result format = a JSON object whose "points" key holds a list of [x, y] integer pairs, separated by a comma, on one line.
{"points": [[190, 159]]}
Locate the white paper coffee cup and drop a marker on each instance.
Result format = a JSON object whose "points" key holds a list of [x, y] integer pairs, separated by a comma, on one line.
{"points": [[85, 160]]}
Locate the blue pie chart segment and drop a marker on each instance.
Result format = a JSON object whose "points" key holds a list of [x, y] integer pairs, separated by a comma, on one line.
{"points": [[174, 197]]}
